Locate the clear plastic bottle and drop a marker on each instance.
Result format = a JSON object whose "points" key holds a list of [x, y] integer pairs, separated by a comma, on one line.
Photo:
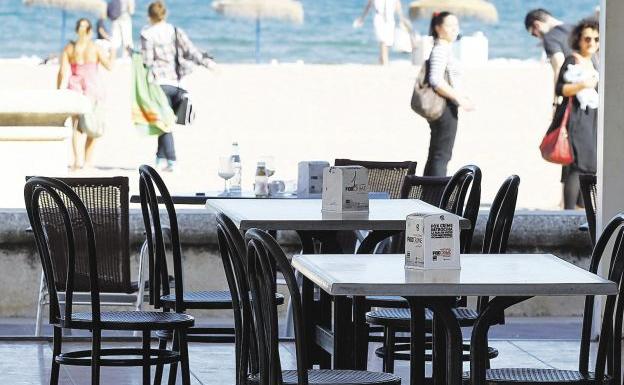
{"points": [[261, 185], [235, 183]]}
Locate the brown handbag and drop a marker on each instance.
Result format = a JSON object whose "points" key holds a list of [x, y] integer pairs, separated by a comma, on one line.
{"points": [[426, 102], [555, 146]]}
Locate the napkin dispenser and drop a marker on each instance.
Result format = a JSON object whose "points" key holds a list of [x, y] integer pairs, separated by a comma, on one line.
{"points": [[310, 179], [345, 189], [432, 241]]}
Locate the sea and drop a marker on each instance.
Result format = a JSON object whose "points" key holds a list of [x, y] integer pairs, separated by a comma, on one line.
{"points": [[326, 35]]}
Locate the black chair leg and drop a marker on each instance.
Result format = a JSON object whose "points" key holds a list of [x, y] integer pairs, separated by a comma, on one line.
{"points": [[146, 357], [56, 350], [95, 356], [173, 368], [162, 344], [184, 358], [389, 342]]}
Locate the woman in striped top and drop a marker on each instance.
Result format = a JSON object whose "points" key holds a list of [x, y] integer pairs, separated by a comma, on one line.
{"points": [[444, 76]]}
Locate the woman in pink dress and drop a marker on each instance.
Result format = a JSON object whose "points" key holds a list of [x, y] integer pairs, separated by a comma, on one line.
{"points": [[82, 57]]}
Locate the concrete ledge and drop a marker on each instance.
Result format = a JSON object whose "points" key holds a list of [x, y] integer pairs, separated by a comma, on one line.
{"points": [[34, 133]]}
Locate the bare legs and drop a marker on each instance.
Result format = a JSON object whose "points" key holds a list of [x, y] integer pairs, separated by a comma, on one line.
{"points": [[85, 155], [383, 54]]}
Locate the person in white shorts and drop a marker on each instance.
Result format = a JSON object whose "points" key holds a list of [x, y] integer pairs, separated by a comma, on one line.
{"points": [[121, 28], [384, 23]]}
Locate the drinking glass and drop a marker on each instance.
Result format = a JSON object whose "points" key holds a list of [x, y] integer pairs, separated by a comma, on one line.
{"points": [[226, 170], [269, 162]]}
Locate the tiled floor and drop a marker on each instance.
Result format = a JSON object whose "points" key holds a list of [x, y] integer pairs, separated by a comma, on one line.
{"points": [[29, 362]]}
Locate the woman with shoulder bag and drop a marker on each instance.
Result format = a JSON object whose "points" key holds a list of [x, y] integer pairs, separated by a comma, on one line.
{"points": [[169, 54], [442, 66], [577, 83]]}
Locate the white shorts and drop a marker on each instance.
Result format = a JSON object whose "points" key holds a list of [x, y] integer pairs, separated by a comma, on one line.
{"points": [[121, 31], [384, 30]]}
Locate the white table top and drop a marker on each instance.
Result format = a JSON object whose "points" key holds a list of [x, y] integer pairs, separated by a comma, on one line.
{"points": [[305, 214], [481, 274]]}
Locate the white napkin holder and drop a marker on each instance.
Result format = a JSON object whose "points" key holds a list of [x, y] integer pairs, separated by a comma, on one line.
{"points": [[432, 241], [345, 189]]}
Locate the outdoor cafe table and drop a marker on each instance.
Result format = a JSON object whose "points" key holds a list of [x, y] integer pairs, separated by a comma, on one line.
{"points": [[509, 278]]}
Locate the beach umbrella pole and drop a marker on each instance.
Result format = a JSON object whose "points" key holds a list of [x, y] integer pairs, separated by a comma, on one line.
{"points": [[257, 40], [63, 27]]}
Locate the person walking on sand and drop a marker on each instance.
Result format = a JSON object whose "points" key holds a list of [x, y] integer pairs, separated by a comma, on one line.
{"points": [[120, 13], [554, 35], [161, 42], [444, 76], [384, 23], [577, 84], [81, 58]]}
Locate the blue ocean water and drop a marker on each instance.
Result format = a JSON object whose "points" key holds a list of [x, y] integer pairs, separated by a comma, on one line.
{"points": [[326, 36]]}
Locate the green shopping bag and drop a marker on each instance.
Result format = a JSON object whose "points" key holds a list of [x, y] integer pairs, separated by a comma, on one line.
{"points": [[151, 112]]}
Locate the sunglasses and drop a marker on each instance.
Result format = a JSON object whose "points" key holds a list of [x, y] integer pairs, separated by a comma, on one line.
{"points": [[588, 39]]}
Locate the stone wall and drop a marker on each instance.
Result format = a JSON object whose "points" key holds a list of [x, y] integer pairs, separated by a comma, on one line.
{"points": [[533, 231]]}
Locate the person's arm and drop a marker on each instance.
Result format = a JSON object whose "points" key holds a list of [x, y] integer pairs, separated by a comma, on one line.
{"points": [[402, 19], [131, 7], [566, 89], [147, 51], [191, 52], [556, 61], [106, 61], [64, 65], [360, 20], [438, 61]]}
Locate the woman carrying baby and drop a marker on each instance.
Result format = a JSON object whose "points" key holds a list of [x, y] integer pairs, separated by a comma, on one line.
{"points": [[577, 83]]}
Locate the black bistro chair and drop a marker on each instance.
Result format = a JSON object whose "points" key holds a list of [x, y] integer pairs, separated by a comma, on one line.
{"points": [[589, 192], [106, 199], [61, 221], [152, 187], [264, 257], [396, 320], [607, 367]]}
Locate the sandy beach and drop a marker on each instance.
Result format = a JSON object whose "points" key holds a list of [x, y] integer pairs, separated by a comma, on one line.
{"points": [[320, 112]]}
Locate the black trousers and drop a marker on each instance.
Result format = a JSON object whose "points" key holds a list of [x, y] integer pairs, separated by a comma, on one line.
{"points": [[572, 196], [443, 131], [166, 147]]}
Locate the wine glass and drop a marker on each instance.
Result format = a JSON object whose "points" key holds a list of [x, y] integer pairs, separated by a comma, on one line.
{"points": [[226, 171], [269, 162]]}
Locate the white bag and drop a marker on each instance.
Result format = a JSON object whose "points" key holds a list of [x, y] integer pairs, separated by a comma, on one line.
{"points": [[93, 123], [402, 40]]}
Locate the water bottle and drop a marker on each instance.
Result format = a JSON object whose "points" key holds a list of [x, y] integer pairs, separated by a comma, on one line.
{"points": [[261, 185], [235, 183]]}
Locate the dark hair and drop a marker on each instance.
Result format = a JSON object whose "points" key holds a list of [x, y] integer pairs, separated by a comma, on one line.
{"points": [[80, 21], [539, 14], [575, 35], [436, 20]]}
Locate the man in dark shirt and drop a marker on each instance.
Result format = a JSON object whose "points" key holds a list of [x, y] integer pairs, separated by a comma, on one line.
{"points": [[555, 37]]}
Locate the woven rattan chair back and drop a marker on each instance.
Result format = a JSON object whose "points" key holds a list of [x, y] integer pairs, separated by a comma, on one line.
{"points": [[501, 217], [61, 221], [151, 186], [589, 192], [264, 255], [454, 200], [107, 201], [233, 254], [383, 176], [613, 311], [426, 188]]}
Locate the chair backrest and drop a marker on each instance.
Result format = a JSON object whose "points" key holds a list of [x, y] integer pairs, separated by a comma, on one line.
{"points": [[151, 186], [589, 192], [501, 217], [264, 255], [608, 356], [61, 221], [234, 256], [383, 176], [454, 200], [426, 188], [107, 201]]}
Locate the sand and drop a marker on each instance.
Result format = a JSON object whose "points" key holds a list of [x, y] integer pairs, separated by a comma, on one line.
{"points": [[320, 112]]}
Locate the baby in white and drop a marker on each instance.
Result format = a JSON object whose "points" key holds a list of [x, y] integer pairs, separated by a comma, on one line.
{"points": [[576, 73]]}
